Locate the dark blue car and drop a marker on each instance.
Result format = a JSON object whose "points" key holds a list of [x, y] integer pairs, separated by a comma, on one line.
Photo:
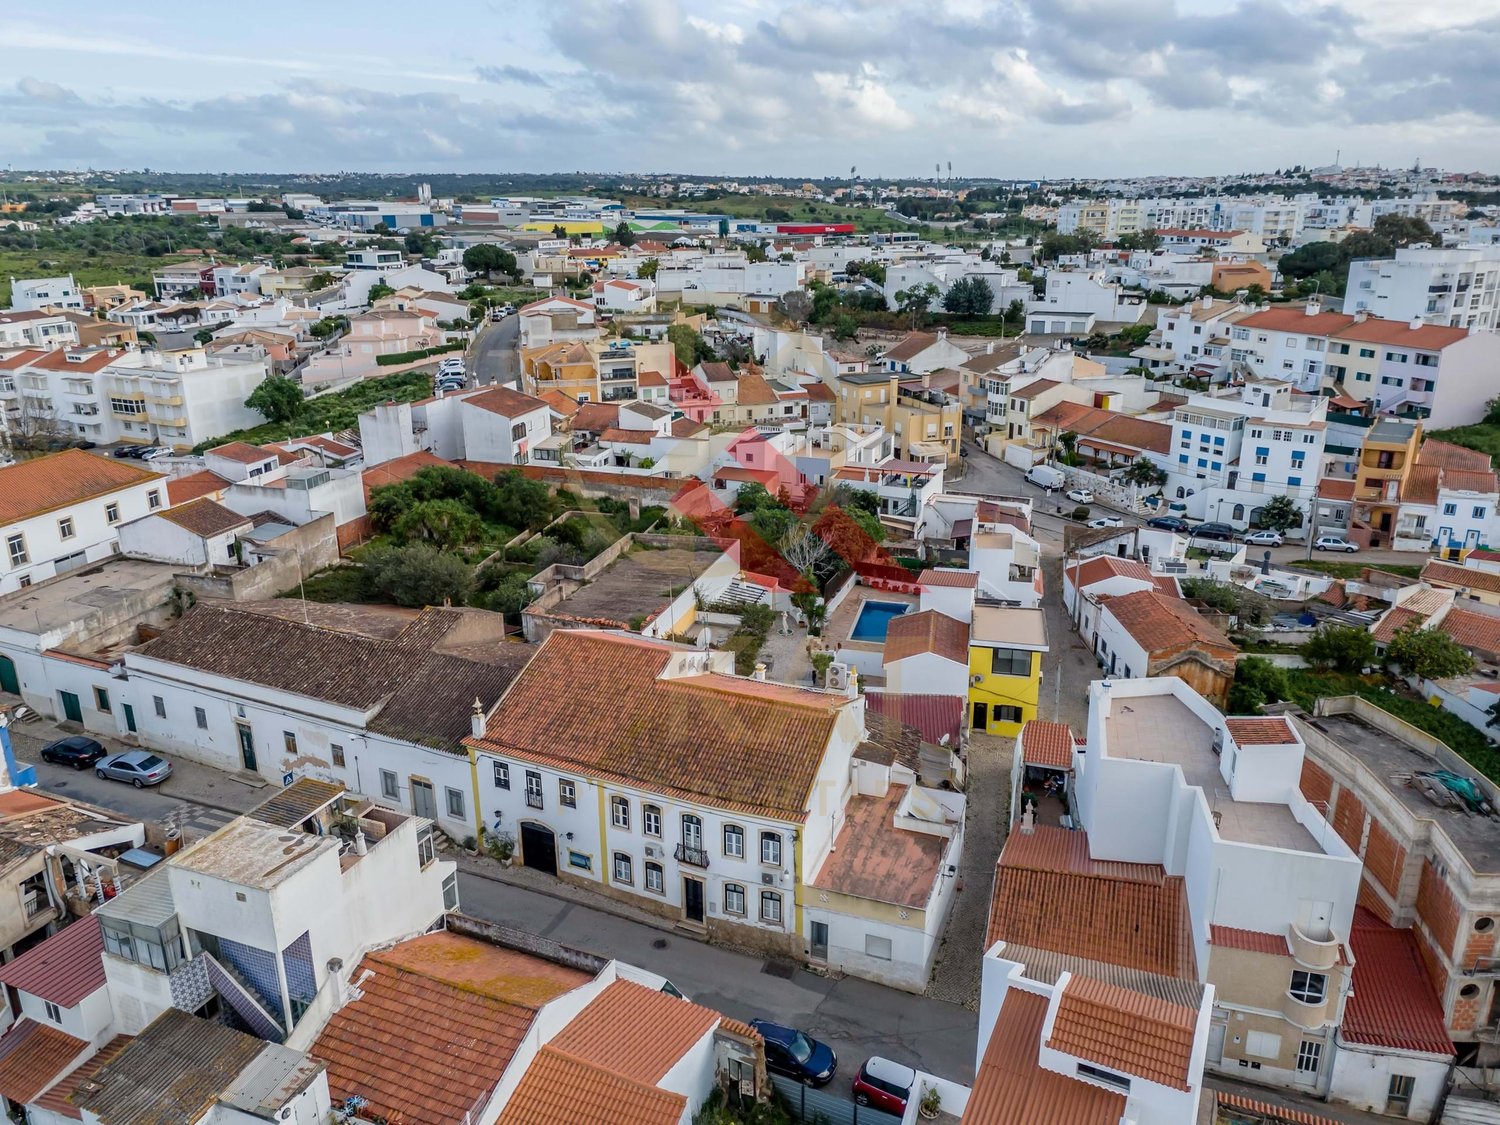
{"points": [[1168, 523], [799, 1056]]}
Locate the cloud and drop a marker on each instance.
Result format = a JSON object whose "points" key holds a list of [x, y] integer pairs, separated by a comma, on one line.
{"points": [[38, 90], [507, 75]]}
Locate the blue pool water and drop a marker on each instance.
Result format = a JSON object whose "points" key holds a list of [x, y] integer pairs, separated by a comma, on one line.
{"points": [[874, 618]]}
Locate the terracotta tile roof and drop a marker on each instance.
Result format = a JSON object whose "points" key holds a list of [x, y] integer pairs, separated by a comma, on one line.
{"points": [[1250, 941], [48, 484], [1377, 330], [890, 741], [398, 469], [1392, 1003], [755, 391], [1093, 425], [241, 451], [687, 428], [1330, 489], [767, 477], [1450, 456], [1047, 744], [1439, 573], [719, 373], [57, 1096], [634, 1031], [651, 379], [928, 631], [910, 346], [1166, 585], [504, 401], [963, 579], [1012, 1089], [1296, 319], [1394, 621], [874, 859], [596, 416], [628, 437], [1100, 568], [65, 968], [1158, 622], [1125, 1030], [934, 716], [437, 1024], [204, 517], [1468, 480], [1473, 629], [1275, 731], [819, 392], [561, 403], [558, 1089], [1421, 484], [1034, 388], [643, 727], [91, 361], [1049, 893], [555, 301], [1266, 1112], [32, 1056]]}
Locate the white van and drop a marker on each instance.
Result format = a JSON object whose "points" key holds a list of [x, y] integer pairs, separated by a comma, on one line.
{"points": [[1045, 476]]}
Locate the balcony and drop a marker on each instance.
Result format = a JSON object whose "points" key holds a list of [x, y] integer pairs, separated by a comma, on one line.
{"points": [[164, 400], [533, 800], [1302, 1014], [692, 856], [1320, 953], [618, 373]]}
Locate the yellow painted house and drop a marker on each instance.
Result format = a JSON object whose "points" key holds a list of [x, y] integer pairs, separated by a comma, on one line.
{"points": [[1006, 648]]}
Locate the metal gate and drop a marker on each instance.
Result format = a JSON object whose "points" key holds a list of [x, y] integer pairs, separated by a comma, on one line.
{"points": [[823, 1106]]}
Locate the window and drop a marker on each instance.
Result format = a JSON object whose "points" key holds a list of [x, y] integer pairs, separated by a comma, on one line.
{"points": [[878, 947], [533, 789], [770, 907], [518, 431], [289, 740], [1257, 476], [692, 831], [1450, 509], [622, 868], [16, 544], [1002, 713], [153, 499], [1308, 987], [1262, 1043], [502, 775], [455, 802], [1010, 662], [450, 892], [338, 755], [651, 820], [1398, 1094], [389, 788], [734, 899], [54, 1013], [426, 846], [1479, 513], [200, 716], [1309, 1053], [734, 841], [1366, 353], [580, 860], [654, 880], [619, 812], [65, 527], [567, 793], [160, 705], [1099, 1074], [1293, 482], [770, 848], [101, 699]]}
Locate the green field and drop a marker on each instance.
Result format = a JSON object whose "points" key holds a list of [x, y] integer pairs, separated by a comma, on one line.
{"points": [[1484, 436], [87, 268], [802, 210]]}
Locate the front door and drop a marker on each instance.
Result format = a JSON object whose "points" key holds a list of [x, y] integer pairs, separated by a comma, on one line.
{"points": [[72, 709], [247, 746], [981, 716], [1216, 1042], [8, 679], [539, 848], [819, 950], [129, 717], [692, 900], [423, 801]]}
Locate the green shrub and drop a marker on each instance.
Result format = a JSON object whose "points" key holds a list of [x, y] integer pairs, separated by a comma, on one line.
{"points": [[397, 358]]}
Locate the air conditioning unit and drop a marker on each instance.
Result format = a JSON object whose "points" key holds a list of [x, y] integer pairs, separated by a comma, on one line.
{"points": [[975, 681], [653, 852], [768, 879]]}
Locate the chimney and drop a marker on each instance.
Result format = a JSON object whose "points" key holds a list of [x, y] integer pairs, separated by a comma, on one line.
{"points": [[476, 720], [759, 673], [942, 332], [989, 349], [1208, 301], [926, 381], [1361, 315], [1417, 322], [1314, 306], [853, 688]]}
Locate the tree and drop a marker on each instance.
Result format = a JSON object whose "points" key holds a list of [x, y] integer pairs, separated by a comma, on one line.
{"points": [[804, 550], [624, 235], [1056, 245], [752, 498], [1281, 514], [1401, 231], [1428, 653], [203, 336], [915, 301], [320, 280], [418, 575], [559, 231], [1015, 313], [1069, 442], [443, 523], [969, 296], [1255, 293], [845, 327], [1256, 682], [796, 305], [278, 398], [689, 345], [872, 270], [488, 259], [755, 252], [1145, 474], [1344, 648], [378, 292]]}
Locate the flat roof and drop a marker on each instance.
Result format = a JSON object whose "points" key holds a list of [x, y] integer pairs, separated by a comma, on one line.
{"points": [[92, 593], [1386, 756], [873, 858], [1161, 728], [1010, 625], [640, 582], [251, 853]]}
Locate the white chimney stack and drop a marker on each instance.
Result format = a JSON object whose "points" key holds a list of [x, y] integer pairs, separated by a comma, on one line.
{"points": [[1314, 306], [759, 673], [853, 688], [1208, 301], [476, 720], [1417, 322]]}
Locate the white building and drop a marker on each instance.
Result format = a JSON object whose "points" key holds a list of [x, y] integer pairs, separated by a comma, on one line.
{"points": [[27, 294], [36, 328], [620, 295], [1458, 287], [1082, 293], [200, 533], [502, 426], [62, 512]]}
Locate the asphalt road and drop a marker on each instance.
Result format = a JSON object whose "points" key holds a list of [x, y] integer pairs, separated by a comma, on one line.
{"points": [[495, 356]]}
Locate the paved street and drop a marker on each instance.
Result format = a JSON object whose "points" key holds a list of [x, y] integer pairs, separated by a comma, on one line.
{"points": [[494, 358]]}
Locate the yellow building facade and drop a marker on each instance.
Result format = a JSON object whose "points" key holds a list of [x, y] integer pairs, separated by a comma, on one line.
{"points": [[1007, 645]]}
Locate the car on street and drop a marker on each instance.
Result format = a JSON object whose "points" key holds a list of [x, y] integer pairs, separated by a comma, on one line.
{"points": [[797, 1054], [1080, 495], [1263, 539], [884, 1085], [76, 751], [156, 453], [131, 451], [1335, 543], [1168, 523], [1213, 531], [1106, 521], [139, 767]]}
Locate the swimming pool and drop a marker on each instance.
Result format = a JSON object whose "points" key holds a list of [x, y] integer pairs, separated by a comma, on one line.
{"points": [[874, 619]]}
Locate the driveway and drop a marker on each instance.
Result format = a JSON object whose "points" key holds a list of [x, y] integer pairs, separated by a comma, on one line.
{"points": [[494, 356]]}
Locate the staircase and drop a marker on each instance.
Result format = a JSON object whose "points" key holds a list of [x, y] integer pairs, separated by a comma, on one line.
{"points": [[742, 594]]}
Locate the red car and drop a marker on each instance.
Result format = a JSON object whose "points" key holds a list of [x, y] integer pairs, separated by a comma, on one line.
{"points": [[884, 1084]]}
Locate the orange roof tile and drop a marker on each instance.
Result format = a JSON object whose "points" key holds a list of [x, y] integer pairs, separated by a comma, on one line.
{"points": [[1438, 573], [596, 415], [964, 579], [644, 728], [1250, 941], [1377, 330], [32, 1056], [1047, 744], [651, 379], [1101, 568], [1125, 1030], [1330, 489], [65, 968], [1275, 731], [913, 634], [1394, 621], [559, 1089], [241, 451], [504, 401], [204, 517], [398, 469], [910, 346], [755, 391], [1158, 622], [1421, 484], [874, 859], [1392, 1003], [564, 404], [47, 484], [1472, 628], [634, 1031], [1449, 456], [1296, 319], [1012, 1089], [628, 437], [56, 1097]]}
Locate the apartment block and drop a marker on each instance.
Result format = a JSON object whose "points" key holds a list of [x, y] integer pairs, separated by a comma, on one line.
{"points": [[1457, 287]]}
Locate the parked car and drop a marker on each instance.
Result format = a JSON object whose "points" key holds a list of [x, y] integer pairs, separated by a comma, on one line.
{"points": [[1080, 495], [156, 453], [884, 1084], [796, 1054], [1045, 476], [1263, 539], [139, 767], [1213, 531], [77, 751], [451, 363], [1168, 523], [1106, 521], [126, 451], [1335, 543]]}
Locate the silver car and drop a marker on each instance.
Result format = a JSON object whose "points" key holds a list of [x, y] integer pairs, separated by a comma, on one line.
{"points": [[139, 767]]}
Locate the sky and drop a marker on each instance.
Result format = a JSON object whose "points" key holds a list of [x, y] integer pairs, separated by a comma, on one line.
{"points": [[1010, 88]]}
